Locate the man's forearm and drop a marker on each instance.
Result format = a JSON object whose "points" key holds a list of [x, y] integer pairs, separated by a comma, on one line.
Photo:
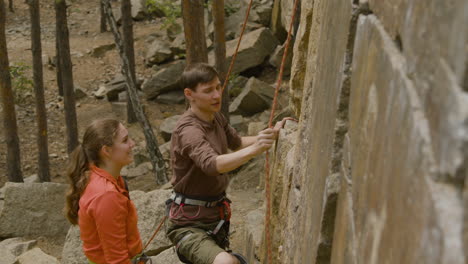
{"points": [[247, 141], [231, 161]]}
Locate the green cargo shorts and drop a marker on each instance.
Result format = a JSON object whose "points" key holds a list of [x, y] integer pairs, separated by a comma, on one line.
{"points": [[194, 243]]}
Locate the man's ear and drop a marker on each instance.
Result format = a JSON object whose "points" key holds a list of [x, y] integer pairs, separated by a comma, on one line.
{"points": [[188, 93]]}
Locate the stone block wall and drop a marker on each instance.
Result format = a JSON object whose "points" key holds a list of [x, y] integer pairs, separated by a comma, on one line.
{"points": [[378, 171]]}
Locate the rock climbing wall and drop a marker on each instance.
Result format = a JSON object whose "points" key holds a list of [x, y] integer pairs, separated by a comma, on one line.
{"points": [[378, 170]]}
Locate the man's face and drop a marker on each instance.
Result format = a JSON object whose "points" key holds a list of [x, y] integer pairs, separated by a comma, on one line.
{"points": [[206, 97]]}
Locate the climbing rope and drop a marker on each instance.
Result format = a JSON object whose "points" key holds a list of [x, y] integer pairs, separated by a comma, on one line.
{"points": [[272, 114], [267, 156]]}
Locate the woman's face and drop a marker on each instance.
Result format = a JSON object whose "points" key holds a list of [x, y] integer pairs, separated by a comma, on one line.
{"points": [[121, 150]]}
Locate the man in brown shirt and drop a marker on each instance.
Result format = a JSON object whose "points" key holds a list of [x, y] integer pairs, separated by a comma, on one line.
{"points": [[199, 211]]}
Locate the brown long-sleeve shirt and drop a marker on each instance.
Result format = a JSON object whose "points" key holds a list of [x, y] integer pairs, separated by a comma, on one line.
{"points": [[195, 144]]}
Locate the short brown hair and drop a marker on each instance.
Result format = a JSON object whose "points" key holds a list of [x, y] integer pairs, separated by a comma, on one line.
{"points": [[197, 73]]}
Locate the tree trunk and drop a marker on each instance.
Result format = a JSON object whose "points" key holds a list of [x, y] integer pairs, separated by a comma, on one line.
{"points": [[220, 51], [65, 65], [127, 30], [41, 117], [9, 116], [194, 28], [10, 6], [103, 17], [58, 71], [151, 144]]}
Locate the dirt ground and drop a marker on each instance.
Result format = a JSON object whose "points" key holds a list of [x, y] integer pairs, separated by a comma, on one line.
{"points": [[88, 72]]}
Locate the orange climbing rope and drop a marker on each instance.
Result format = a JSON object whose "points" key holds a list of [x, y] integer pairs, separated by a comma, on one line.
{"points": [[275, 101]]}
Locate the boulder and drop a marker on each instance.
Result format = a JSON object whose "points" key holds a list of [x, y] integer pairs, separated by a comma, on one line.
{"points": [[139, 170], [178, 44], [100, 92], [164, 80], [173, 97], [99, 51], [13, 247], [277, 57], [114, 87], [236, 86], [256, 97], [36, 256], [72, 252], [158, 52], [255, 47], [168, 126], [141, 154], [263, 9], [150, 209], [79, 93], [237, 122], [256, 127], [33, 209]]}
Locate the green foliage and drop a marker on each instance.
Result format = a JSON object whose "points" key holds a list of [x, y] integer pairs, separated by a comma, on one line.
{"points": [[171, 10], [230, 9], [22, 85]]}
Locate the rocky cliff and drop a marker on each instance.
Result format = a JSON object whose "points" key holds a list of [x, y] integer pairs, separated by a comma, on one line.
{"points": [[378, 169]]}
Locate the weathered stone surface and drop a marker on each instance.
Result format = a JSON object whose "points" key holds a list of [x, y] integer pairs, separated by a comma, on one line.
{"points": [[326, 50], [178, 44], [236, 85], [303, 59], [168, 126], [277, 57], [254, 98], [173, 97], [36, 256], [238, 123], [372, 218], [114, 87], [72, 252], [256, 127], [248, 176], [33, 209], [157, 52], [433, 39], [99, 51], [13, 247], [150, 209], [139, 170], [254, 48], [164, 80], [79, 93]]}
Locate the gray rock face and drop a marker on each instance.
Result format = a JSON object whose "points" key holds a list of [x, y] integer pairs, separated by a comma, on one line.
{"points": [[33, 209], [36, 256], [254, 98], [173, 97], [254, 48], [277, 57], [114, 87], [158, 52], [383, 123], [14, 247], [178, 44], [72, 252], [168, 126], [164, 80]]}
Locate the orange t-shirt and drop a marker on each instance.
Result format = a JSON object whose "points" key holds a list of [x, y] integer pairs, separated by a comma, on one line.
{"points": [[108, 220]]}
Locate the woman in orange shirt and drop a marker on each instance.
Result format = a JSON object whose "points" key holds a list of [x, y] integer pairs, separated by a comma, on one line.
{"points": [[98, 200]]}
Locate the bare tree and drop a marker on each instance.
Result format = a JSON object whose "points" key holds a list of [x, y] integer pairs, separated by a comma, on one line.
{"points": [[151, 143], [220, 51], [103, 17], [65, 65], [194, 28], [41, 117], [127, 30], [9, 116]]}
